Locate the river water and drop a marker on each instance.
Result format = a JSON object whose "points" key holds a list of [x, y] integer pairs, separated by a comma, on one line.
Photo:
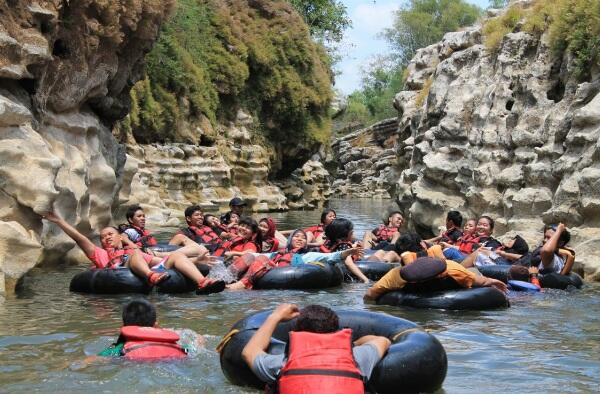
{"points": [[548, 342]]}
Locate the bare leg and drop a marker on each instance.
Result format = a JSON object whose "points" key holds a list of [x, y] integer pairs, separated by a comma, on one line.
{"points": [[391, 257], [469, 261], [377, 256], [185, 266], [191, 249], [138, 265]]}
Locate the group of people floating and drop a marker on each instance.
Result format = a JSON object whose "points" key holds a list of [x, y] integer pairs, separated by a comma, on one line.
{"points": [[251, 249]]}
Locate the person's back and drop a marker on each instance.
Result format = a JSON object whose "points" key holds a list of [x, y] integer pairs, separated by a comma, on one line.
{"points": [[320, 359]]}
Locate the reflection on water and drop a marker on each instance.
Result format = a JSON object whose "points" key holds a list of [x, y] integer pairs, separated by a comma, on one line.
{"points": [[546, 342]]}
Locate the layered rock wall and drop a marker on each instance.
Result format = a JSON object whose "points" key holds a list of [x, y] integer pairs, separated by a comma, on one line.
{"points": [[511, 134], [65, 72], [366, 161]]}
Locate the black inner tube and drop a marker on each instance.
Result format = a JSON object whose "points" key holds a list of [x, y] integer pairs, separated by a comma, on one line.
{"points": [[416, 361], [549, 281], [479, 298], [305, 276]]}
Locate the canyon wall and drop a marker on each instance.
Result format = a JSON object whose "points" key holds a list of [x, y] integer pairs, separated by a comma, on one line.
{"points": [[512, 134]]}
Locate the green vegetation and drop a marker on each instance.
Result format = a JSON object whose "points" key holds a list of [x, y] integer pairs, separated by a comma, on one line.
{"points": [[214, 57], [417, 25], [572, 25], [326, 19]]}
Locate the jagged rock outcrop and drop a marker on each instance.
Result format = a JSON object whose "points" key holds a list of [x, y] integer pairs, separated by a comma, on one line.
{"points": [[61, 85], [366, 161], [511, 134], [308, 187]]}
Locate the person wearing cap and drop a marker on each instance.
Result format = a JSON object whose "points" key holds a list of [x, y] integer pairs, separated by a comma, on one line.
{"points": [[429, 274], [236, 205]]}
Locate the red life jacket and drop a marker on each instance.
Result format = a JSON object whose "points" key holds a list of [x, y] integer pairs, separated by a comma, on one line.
{"points": [[150, 343], [117, 257], [146, 239], [466, 243], [336, 247], [282, 259], [203, 235], [236, 244], [384, 233], [316, 230], [320, 363]]}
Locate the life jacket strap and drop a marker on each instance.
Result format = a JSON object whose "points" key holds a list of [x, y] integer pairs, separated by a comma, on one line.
{"points": [[326, 372]]}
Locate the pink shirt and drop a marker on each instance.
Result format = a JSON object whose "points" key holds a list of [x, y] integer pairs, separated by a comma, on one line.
{"points": [[101, 258]]}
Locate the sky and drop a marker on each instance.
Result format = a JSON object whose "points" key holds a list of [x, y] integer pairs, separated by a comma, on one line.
{"points": [[361, 42]]}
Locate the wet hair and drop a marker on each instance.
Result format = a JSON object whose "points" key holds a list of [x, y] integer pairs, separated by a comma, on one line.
{"points": [[409, 242], [189, 211], [318, 319], [248, 221], [139, 312], [455, 217], [325, 213], [386, 222], [130, 213], [490, 221], [518, 272], [337, 230]]}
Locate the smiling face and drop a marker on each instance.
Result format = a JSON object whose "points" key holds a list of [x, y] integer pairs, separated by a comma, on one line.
{"points": [[196, 219], [234, 218], [213, 221], [245, 231], [330, 217], [395, 220], [263, 226], [470, 226], [484, 227], [298, 240], [110, 238], [138, 219]]}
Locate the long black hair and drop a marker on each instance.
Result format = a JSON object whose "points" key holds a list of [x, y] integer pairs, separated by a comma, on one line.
{"points": [[248, 221], [338, 230], [326, 212]]}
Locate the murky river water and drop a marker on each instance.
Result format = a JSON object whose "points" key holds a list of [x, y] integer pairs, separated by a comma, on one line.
{"points": [[548, 342]]}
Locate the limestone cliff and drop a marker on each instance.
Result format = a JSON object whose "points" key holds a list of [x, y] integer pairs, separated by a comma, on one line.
{"points": [[66, 68], [510, 133]]}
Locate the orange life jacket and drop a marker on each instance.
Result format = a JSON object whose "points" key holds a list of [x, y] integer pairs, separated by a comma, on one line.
{"points": [[320, 363], [150, 343], [315, 230], [236, 244]]}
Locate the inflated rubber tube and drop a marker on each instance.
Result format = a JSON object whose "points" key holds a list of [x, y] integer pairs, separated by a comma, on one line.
{"points": [[163, 248], [416, 361], [305, 276], [478, 298], [122, 280], [548, 281], [373, 270]]}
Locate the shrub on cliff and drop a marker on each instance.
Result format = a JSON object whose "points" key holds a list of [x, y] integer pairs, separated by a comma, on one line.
{"points": [[214, 57], [573, 26]]}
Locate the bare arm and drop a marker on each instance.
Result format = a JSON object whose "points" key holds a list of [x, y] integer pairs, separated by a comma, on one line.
{"points": [[547, 252], [259, 342], [482, 281], [82, 241], [508, 256], [570, 260], [382, 344]]}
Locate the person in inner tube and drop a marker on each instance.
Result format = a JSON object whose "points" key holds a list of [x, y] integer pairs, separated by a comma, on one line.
{"points": [[316, 319], [426, 270], [385, 235], [115, 254], [142, 313]]}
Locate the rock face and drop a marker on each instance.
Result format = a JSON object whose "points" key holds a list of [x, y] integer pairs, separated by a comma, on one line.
{"points": [[366, 161], [170, 177], [511, 135], [308, 187], [61, 84]]}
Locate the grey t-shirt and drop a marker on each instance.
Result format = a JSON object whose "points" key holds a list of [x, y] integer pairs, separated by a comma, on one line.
{"points": [[267, 366]]}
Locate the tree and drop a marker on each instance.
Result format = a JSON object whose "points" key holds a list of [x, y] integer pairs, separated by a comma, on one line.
{"points": [[326, 19], [424, 22]]}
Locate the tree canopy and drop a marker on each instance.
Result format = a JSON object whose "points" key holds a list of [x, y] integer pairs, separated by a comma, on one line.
{"points": [[326, 19]]}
